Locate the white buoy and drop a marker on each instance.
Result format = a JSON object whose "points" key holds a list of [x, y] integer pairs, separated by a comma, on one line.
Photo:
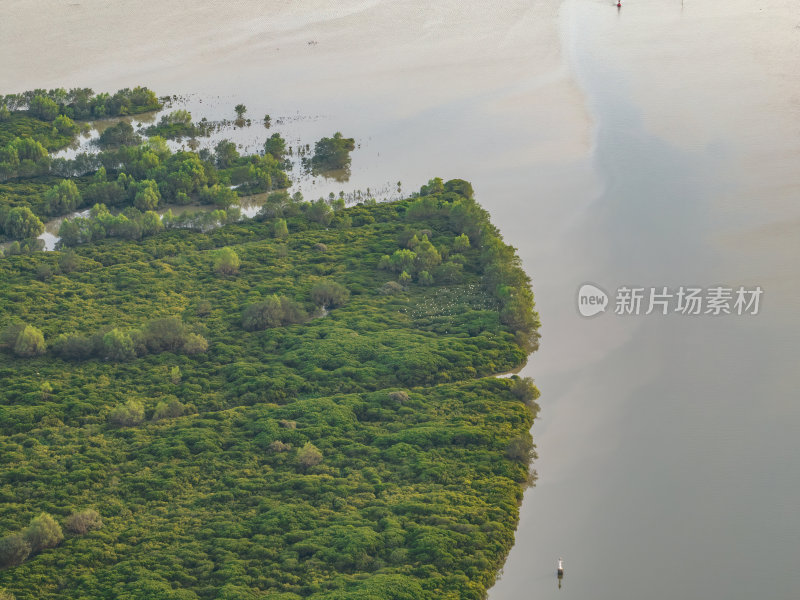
{"points": [[560, 567]]}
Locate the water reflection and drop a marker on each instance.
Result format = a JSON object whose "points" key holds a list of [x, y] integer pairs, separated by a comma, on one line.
{"points": [[338, 175]]}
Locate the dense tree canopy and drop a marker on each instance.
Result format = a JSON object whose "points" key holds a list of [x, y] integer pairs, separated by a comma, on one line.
{"points": [[43, 108], [83, 103], [179, 419]]}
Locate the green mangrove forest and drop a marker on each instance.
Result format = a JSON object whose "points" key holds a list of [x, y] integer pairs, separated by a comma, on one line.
{"points": [[203, 406]]}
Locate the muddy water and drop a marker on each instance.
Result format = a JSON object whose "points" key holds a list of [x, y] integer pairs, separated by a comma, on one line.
{"points": [[653, 146], [668, 444]]}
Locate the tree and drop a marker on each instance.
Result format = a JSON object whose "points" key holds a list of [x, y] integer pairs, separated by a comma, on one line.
{"points": [[276, 146], [158, 146], [520, 449], [29, 149], [46, 390], [401, 260], [240, 110], [280, 230], [21, 223], [427, 257], [524, 389], [461, 243], [329, 293], [44, 272], [14, 549], [43, 108], [75, 347], [147, 195], [9, 161], [121, 134], [169, 408], [274, 311], [225, 153], [203, 308], [151, 223], [145, 165], [321, 212], [399, 396], [460, 187], [83, 522], [68, 261], [32, 157], [164, 335], [226, 262], [390, 288], [263, 315], [118, 345], [30, 342], [434, 186], [332, 154], [449, 272], [219, 195], [43, 532], [65, 125], [194, 171], [63, 197], [309, 455], [127, 415], [195, 344], [279, 446]]}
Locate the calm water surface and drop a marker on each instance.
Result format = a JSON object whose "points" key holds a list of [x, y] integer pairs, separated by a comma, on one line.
{"points": [[657, 145]]}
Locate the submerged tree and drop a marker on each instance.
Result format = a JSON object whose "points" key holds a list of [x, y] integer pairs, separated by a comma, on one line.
{"points": [[276, 146], [332, 154], [121, 134]]}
